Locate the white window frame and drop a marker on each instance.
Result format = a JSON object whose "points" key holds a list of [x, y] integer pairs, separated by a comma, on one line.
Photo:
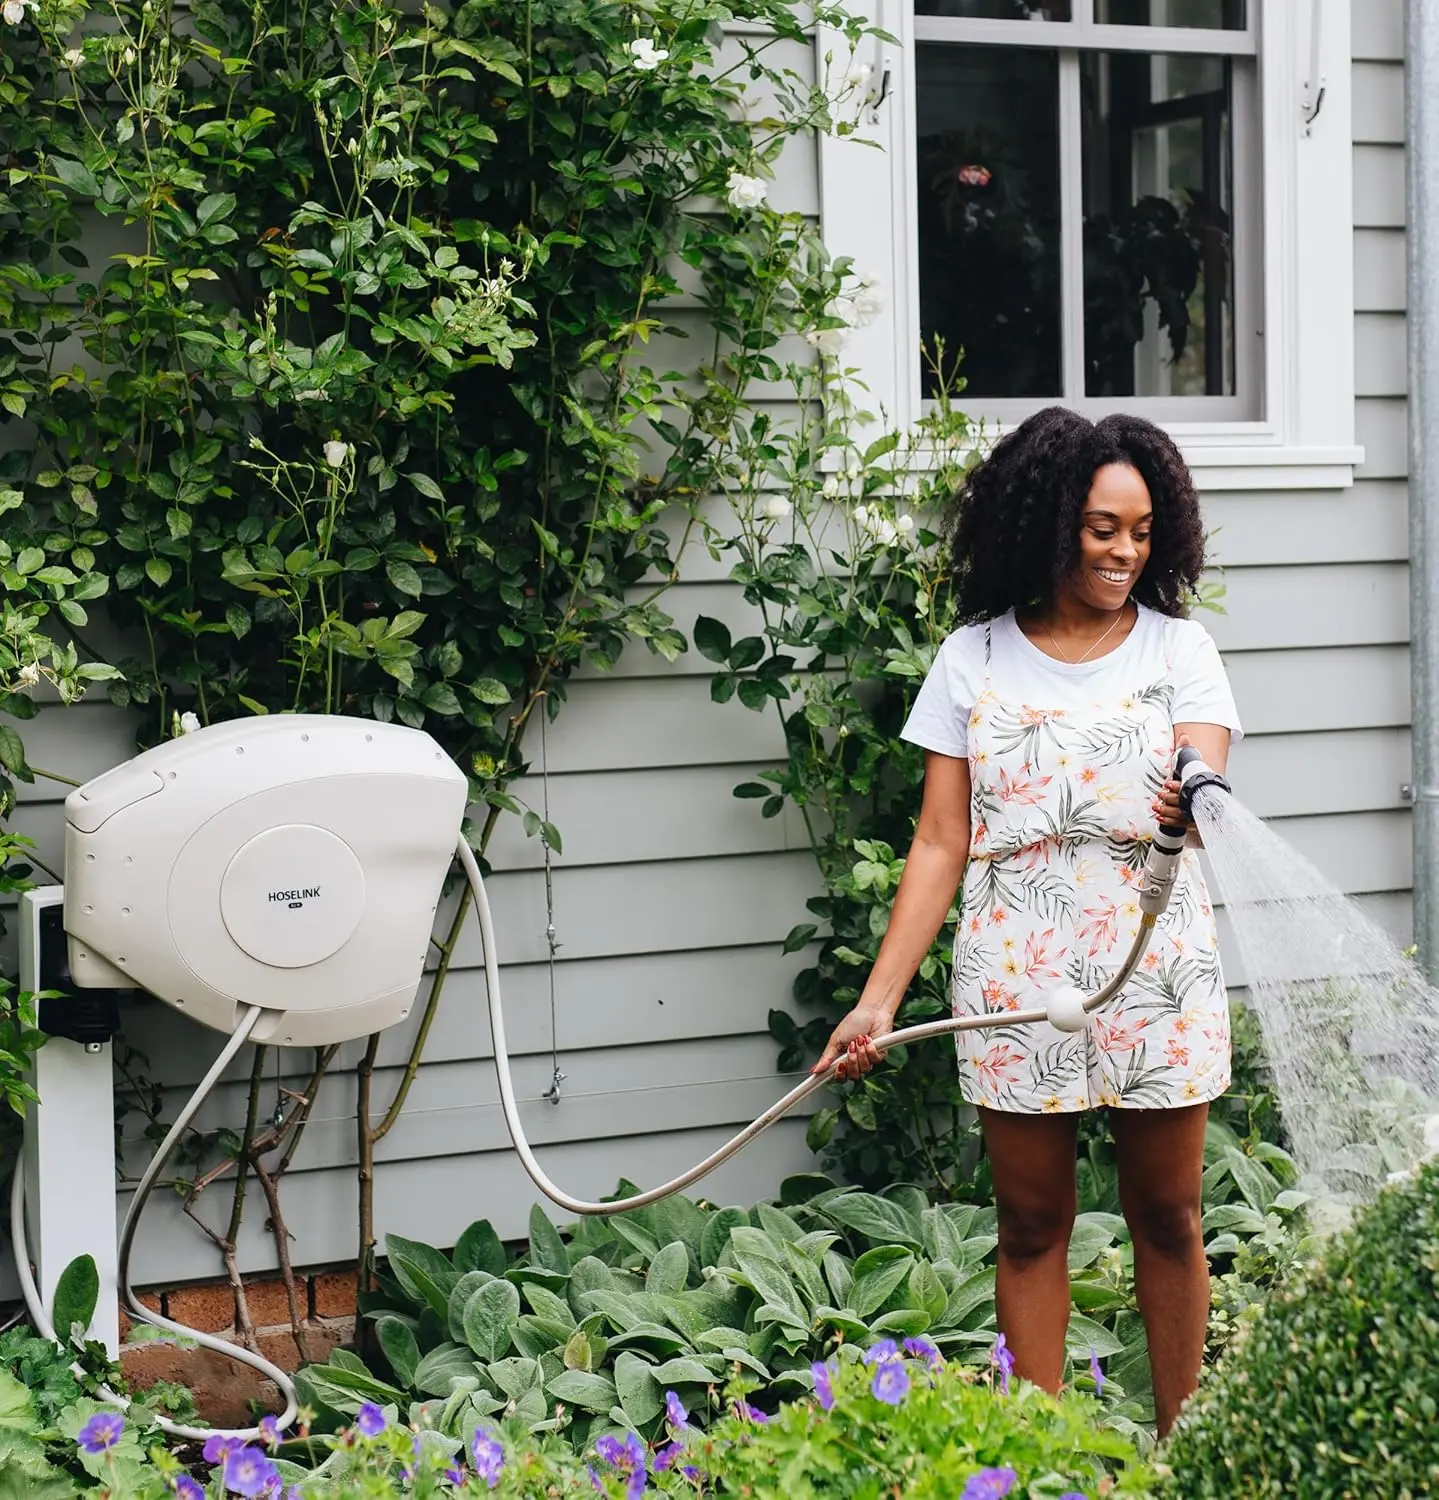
{"points": [[1305, 438]]}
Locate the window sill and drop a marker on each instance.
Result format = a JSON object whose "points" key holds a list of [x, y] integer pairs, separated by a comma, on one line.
{"points": [[1268, 466]]}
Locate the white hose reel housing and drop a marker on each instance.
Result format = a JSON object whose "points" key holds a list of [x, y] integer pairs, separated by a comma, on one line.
{"points": [[293, 862]]}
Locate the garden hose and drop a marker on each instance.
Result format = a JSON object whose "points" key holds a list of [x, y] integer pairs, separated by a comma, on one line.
{"points": [[133, 1305], [1067, 1008]]}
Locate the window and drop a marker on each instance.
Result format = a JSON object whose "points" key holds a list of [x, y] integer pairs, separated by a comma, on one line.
{"points": [[1116, 204]]}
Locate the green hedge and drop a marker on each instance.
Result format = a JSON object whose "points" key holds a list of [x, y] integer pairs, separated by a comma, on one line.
{"points": [[1332, 1390]]}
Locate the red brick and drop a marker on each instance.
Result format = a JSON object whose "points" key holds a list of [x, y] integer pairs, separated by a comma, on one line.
{"points": [[207, 1309], [269, 1306], [319, 1340], [334, 1294], [280, 1349], [225, 1392]]}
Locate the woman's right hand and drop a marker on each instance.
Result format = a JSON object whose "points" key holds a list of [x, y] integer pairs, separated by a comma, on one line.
{"points": [[852, 1042]]}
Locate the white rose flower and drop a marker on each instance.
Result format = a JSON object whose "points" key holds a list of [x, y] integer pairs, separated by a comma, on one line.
{"points": [[73, 58], [859, 76], [831, 487], [861, 514], [746, 192], [29, 674], [13, 11], [774, 508], [867, 303], [646, 55], [829, 341], [882, 530], [904, 525], [128, 56], [336, 453], [853, 472], [189, 723]]}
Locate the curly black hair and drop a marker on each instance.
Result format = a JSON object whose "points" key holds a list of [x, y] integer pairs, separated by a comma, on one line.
{"points": [[1013, 528]]}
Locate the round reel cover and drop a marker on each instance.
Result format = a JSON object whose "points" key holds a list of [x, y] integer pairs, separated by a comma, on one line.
{"points": [[294, 862]]}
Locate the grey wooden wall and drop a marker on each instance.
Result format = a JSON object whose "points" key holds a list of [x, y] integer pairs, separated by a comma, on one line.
{"points": [[672, 897]]}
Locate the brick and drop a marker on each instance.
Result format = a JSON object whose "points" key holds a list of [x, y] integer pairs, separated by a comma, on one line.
{"points": [[334, 1294], [319, 1340], [269, 1306], [226, 1394], [280, 1349], [208, 1309]]}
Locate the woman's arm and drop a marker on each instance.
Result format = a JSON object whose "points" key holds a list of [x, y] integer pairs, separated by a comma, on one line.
{"points": [[932, 873]]}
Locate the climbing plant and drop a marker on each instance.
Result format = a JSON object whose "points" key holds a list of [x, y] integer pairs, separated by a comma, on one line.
{"points": [[323, 360]]}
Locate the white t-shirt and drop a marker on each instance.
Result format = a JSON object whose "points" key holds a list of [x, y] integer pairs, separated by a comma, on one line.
{"points": [[1157, 648]]}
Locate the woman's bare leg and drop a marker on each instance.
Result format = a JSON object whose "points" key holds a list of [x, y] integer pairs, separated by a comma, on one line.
{"points": [[1032, 1160]]}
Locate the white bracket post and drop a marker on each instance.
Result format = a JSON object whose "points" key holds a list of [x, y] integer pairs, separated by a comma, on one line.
{"points": [[69, 1155]]}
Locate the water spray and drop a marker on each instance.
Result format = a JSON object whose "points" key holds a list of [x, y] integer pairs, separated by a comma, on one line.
{"points": [[278, 880]]}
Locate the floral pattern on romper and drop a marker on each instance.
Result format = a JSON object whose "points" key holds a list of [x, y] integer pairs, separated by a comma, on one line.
{"points": [[1061, 825]]}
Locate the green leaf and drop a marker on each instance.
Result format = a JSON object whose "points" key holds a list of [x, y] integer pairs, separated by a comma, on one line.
{"points": [[400, 1346], [76, 1295], [404, 578], [441, 1367], [12, 757], [30, 560], [547, 1249], [460, 1294], [158, 570], [214, 206], [752, 790], [583, 1388], [712, 639], [669, 1271], [927, 1291], [480, 1249], [876, 1218], [489, 1318], [639, 1392], [426, 486], [875, 1280], [76, 176], [799, 937], [717, 1232], [490, 690]]}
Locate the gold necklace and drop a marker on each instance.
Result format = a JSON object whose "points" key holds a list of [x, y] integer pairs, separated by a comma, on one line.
{"points": [[1076, 661]]}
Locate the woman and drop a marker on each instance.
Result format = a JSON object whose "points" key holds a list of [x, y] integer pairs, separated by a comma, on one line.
{"points": [[1051, 719]]}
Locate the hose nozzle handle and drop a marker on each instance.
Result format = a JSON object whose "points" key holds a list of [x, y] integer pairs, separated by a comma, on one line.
{"points": [[1192, 773]]}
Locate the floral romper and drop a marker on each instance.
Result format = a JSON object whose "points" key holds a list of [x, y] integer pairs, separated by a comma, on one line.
{"points": [[1060, 828]]}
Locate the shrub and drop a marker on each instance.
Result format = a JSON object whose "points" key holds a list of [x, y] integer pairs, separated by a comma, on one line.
{"points": [[1331, 1389]]}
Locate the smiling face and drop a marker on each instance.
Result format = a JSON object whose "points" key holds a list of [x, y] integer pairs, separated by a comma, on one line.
{"points": [[1115, 536]]}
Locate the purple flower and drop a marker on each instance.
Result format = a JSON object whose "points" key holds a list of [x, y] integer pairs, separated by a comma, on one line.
{"points": [[675, 1413], [922, 1348], [271, 1432], [1095, 1371], [101, 1432], [638, 1483], [186, 1488], [748, 1413], [220, 1447], [1003, 1361], [489, 1456], [989, 1484], [665, 1458], [371, 1420], [823, 1386], [1074, 1495], [248, 1472], [455, 1474], [886, 1349], [595, 1481], [890, 1383]]}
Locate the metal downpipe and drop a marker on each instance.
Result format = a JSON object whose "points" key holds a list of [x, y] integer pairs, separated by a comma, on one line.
{"points": [[1421, 90]]}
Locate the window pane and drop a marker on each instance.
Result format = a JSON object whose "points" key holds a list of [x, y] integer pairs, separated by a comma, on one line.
{"points": [[1204, 15], [1158, 225], [988, 168], [997, 10]]}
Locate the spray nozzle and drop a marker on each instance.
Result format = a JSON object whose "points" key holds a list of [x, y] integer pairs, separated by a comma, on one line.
{"points": [[1193, 774]]}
